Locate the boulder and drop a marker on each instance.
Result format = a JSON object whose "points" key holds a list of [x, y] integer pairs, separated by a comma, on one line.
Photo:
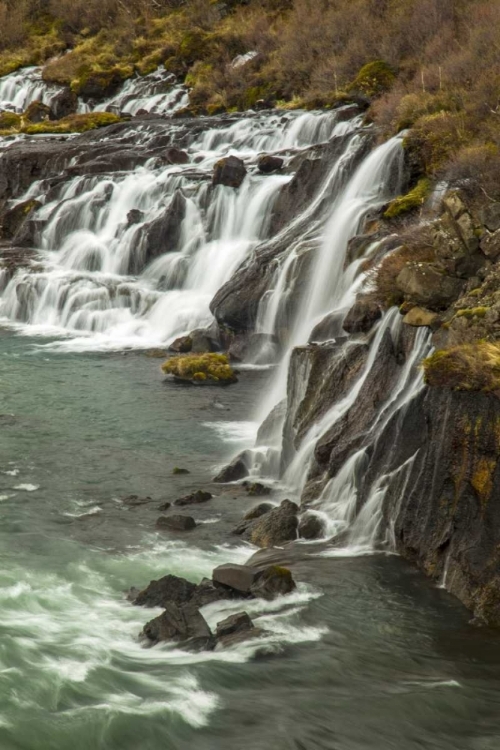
{"points": [[208, 591], [425, 285], [490, 217], [236, 629], [330, 327], [236, 470], [229, 171], [176, 523], [134, 216], [15, 219], [256, 489], [176, 156], [248, 347], [419, 317], [164, 506], [275, 528], [240, 578], [363, 315], [177, 471], [37, 112], [490, 245], [258, 511], [63, 104], [266, 164], [162, 235], [194, 498], [311, 526], [167, 590], [184, 625], [274, 581], [181, 345], [134, 500]]}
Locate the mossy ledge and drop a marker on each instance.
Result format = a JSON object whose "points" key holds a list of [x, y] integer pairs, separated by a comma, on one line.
{"points": [[11, 124], [200, 369], [412, 201], [468, 367]]}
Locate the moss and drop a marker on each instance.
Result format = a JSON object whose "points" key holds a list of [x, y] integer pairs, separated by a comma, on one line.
{"points": [[412, 201], [10, 121], [374, 78], [474, 312], [201, 368], [468, 367], [482, 478], [72, 124]]}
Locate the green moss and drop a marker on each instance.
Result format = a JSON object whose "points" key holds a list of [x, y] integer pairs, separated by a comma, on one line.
{"points": [[374, 78], [201, 368], [9, 121], [72, 124], [474, 312], [469, 367], [412, 201]]}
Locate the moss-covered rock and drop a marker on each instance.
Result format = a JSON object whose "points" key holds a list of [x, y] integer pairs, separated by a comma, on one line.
{"points": [[374, 78], [469, 367], [412, 201], [72, 123], [206, 369]]}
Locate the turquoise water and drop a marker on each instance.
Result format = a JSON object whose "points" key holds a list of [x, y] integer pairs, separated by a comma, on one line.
{"points": [[368, 655]]}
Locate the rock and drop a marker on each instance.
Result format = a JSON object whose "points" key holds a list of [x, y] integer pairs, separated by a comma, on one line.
{"points": [[229, 171], [176, 523], [270, 429], [181, 624], [133, 500], [135, 216], [181, 345], [250, 346], [167, 590], [236, 629], [276, 527], [202, 340], [240, 578], [418, 317], [63, 104], [490, 245], [267, 163], [258, 511], [257, 489], [178, 471], [162, 235], [164, 506], [236, 470], [423, 284], [194, 498], [273, 581], [176, 156], [208, 591], [363, 315], [330, 327], [15, 219], [37, 112], [311, 526], [490, 217]]}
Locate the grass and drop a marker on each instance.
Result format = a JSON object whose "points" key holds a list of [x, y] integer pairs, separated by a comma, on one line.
{"points": [[468, 367], [201, 368]]}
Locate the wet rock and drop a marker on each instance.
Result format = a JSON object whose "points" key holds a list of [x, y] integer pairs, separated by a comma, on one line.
{"points": [[161, 235], [63, 104], [203, 340], [229, 171], [256, 489], [164, 506], [135, 500], [181, 345], [274, 581], [311, 526], [240, 578], [266, 164], [194, 498], [176, 156], [15, 219], [208, 592], [184, 625], [236, 470], [37, 112], [236, 629], [418, 316], [251, 346], [331, 327], [177, 471], [270, 429], [424, 285], [167, 590], [363, 315], [258, 511], [276, 527], [176, 523], [135, 216]]}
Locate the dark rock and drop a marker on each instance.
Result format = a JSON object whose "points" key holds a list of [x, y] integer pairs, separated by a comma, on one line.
{"points": [[241, 578], [37, 112], [267, 163], [274, 581], [311, 526], [178, 471], [258, 511], [167, 590], [331, 327], [236, 470], [257, 489], [236, 629], [176, 156], [229, 171], [133, 500], [161, 235], [181, 345], [176, 523], [164, 506], [490, 217], [63, 104], [184, 625], [208, 591], [194, 498], [252, 346], [276, 527], [203, 340], [363, 315], [271, 428], [135, 216], [15, 219]]}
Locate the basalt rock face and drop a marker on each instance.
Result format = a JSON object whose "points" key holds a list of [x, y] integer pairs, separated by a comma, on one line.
{"points": [[443, 500]]}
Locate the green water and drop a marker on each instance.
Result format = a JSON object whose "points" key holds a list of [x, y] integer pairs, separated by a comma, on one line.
{"points": [[368, 655]]}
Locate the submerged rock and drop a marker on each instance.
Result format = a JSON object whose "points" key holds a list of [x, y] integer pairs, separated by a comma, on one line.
{"points": [[194, 498], [266, 164], [167, 590], [236, 629], [176, 523]]}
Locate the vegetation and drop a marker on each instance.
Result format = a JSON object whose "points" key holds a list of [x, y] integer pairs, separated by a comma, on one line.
{"points": [[468, 367], [11, 124], [413, 200], [382, 278], [208, 369]]}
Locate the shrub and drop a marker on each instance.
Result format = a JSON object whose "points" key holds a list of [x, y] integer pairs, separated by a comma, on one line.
{"points": [[201, 368], [468, 367], [374, 78]]}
